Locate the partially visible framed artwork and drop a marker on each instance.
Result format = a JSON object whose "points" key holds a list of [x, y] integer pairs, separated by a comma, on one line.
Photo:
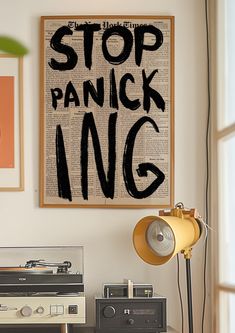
{"points": [[107, 111], [11, 123]]}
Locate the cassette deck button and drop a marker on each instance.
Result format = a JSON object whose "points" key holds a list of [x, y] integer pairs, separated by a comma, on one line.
{"points": [[53, 310], [73, 309], [40, 310], [60, 310]]}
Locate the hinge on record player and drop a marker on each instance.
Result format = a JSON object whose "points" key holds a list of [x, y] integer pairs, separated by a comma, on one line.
{"points": [[61, 267]]}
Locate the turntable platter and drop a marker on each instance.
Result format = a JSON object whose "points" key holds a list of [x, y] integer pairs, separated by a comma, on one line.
{"points": [[25, 270]]}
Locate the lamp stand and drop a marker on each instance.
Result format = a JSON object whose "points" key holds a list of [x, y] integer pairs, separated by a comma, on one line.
{"points": [[187, 256], [189, 294]]}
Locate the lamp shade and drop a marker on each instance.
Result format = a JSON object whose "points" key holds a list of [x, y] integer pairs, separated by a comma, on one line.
{"points": [[159, 238]]}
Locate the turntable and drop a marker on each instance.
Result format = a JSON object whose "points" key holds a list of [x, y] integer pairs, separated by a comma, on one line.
{"points": [[36, 276], [42, 291]]}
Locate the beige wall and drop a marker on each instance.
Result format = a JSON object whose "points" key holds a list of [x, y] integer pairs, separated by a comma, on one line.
{"points": [[107, 234]]}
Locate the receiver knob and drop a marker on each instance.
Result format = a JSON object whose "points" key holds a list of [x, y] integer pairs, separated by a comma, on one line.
{"points": [[130, 321], [109, 311], [26, 311]]}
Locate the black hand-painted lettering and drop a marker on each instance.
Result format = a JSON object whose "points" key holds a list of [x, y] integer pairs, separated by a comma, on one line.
{"points": [[113, 99], [139, 33], [107, 183], [89, 30], [143, 168], [151, 93], [71, 95], [64, 190], [56, 94], [129, 104], [56, 45], [127, 47], [97, 95]]}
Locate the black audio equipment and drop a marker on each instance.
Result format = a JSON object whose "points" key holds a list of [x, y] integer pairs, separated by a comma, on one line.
{"points": [[121, 290], [36, 276], [131, 315]]}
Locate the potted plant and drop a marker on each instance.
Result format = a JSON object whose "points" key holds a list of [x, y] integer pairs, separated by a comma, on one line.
{"points": [[12, 46]]}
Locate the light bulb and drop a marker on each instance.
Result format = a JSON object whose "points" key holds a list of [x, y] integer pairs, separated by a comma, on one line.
{"points": [[160, 238]]}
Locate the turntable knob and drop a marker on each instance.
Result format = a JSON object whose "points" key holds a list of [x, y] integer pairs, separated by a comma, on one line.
{"points": [[109, 311], [26, 311]]}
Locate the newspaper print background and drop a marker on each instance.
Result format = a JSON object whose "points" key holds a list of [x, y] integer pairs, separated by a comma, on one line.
{"points": [[107, 111]]}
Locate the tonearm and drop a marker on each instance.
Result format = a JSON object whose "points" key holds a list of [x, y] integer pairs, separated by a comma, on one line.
{"points": [[61, 267]]}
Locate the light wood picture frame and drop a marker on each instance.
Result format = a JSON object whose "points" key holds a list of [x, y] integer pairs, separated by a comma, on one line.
{"points": [[107, 111], [11, 123]]}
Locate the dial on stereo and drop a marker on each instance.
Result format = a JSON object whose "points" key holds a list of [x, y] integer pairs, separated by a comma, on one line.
{"points": [[109, 311], [26, 311]]}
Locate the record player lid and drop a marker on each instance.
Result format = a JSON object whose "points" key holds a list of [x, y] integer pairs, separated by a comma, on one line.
{"points": [[42, 260]]}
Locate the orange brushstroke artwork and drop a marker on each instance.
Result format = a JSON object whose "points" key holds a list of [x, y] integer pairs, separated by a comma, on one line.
{"points": [[7, 122]]}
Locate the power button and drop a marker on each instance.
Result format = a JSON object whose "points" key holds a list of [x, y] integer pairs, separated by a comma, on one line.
{"points": [[73, 309]]}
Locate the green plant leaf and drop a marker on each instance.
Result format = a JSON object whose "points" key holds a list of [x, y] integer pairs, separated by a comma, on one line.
{"points": [[12, 46]]}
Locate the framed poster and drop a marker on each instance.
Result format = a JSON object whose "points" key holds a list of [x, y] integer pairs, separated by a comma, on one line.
{"points": [[107, 111], [11, 123]]}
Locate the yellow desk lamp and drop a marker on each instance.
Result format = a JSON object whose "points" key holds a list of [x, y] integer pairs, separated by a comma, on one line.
{"points": [[157, 239]]}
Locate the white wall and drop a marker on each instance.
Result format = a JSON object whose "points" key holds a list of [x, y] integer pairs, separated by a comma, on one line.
{"points": [[107, 234]]}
